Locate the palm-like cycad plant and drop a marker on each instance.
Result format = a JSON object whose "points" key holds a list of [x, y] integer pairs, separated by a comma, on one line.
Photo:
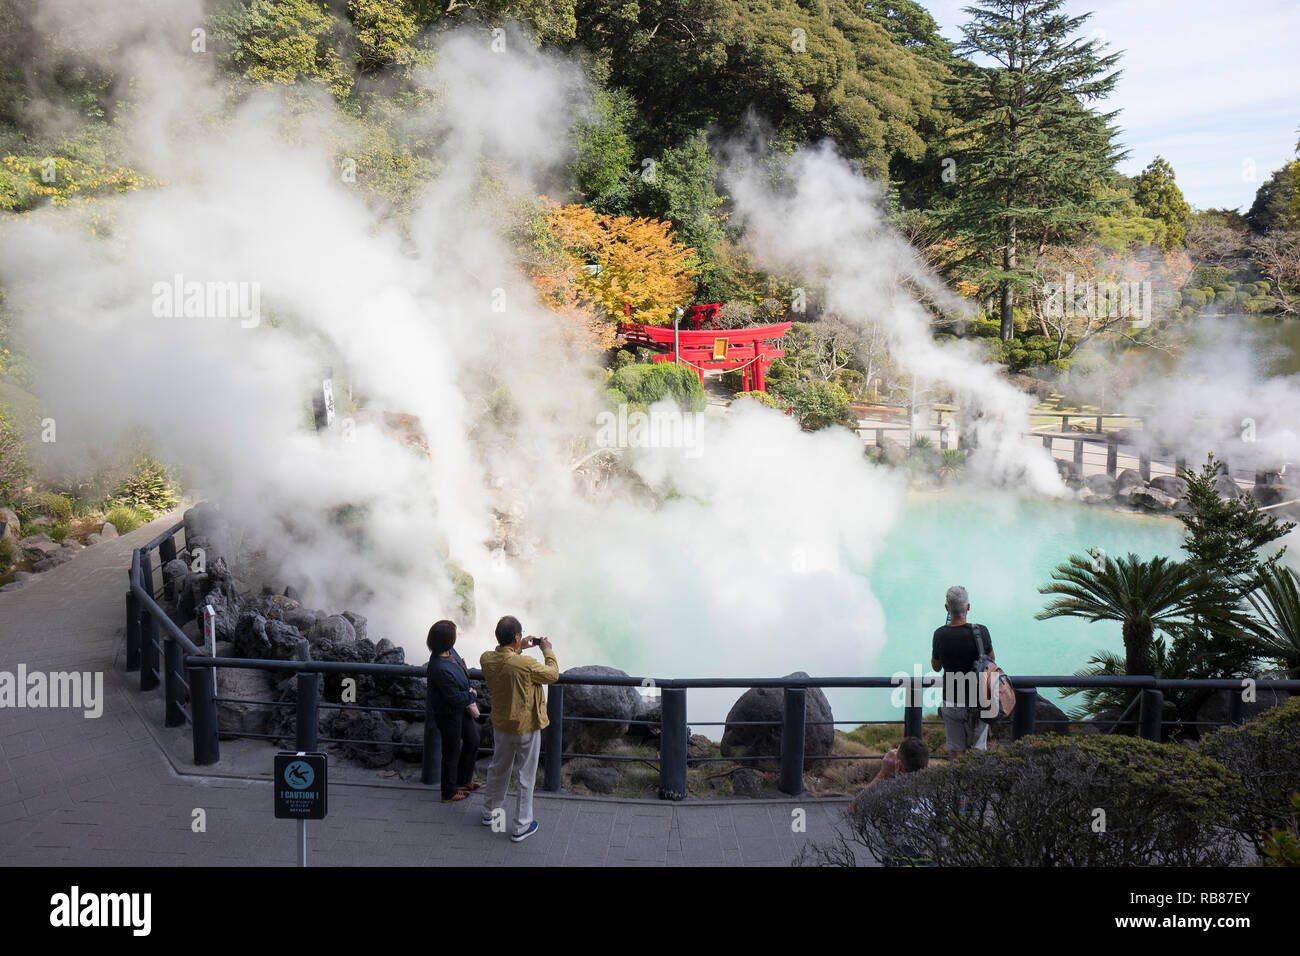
{"points": [[1276, 600], [1142, 595]]}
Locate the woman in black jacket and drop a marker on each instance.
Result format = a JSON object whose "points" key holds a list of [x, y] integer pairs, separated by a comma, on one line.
{"points": [[454, 710]]}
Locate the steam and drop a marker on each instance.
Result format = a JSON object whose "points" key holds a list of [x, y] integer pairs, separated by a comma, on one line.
{"points": [[749, 555]]}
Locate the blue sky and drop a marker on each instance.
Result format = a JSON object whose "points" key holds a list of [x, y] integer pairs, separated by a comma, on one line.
{"points": [[1211, 85]]}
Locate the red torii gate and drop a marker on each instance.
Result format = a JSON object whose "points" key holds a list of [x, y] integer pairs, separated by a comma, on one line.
{"points": [[705, 347]]}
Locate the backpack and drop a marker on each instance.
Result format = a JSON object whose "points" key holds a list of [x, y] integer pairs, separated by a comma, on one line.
{"points": [[995, 686]]}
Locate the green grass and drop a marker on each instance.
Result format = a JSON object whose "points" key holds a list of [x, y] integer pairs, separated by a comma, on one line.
{"points": [[124, 518]]}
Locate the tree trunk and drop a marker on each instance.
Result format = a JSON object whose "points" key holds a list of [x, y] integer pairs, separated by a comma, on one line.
{"points": [[1137, 648], [1008, 263]]}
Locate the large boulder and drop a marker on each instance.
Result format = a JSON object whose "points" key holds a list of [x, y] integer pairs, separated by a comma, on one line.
{"points": [[12, 527], [1100, 485], [1217, 706], [366, 725], [1171, 485], [618, 704], [255, 636], [1149, 499], [241, 684], [1226, 487], [743, 737], [596, 779], [37, 547], [206, 528], [1049, 719], [108, 531], [1128, 478], [334, 629]]}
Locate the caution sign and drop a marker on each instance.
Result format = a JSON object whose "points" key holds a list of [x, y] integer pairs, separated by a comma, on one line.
{"points": [[300, 786]]}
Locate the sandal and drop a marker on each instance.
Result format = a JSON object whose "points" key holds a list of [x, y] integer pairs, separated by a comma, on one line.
{"points": [[458, 795], [472, 786]]}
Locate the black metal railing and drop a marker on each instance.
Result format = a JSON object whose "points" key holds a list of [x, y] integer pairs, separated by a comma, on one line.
{"points": [[164, 654]]}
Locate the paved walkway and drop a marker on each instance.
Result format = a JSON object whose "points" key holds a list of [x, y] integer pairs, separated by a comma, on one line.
{"points": [[102, 791]]}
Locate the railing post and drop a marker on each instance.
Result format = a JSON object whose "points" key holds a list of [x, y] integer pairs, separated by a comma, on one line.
{"points": [[431, 755], [793, 722], [1144, 465], [132, 621], [148, 648], [1024, 719], [553, 738], [173, 687], [673, 738], [912, 709], [146, 571], [1112, 457], [1047, 443], [1150, 713], [166, 552], [1078, 454], [305, 725], [203, 711]]}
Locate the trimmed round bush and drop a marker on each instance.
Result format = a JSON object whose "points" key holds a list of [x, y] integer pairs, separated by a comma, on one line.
{"points": [[761, 397], [1036, 802], [1016, 357], [1194, 298], [1265, 754], [647, 383], [1035, 357], [56, 506]]}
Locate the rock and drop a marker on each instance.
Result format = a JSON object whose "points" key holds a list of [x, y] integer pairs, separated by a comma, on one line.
{"points": [[206, 528], [1171, 485], [1128, 478], [1150, 499], [1067, 469], [72, 545], [411, 740], [1217, 706], [11, 586], [38, 546], [93, 539], [358, 623], [649, 709], [387, 653], [591, 700], [1046, 715], [256, 636], [334, 629], [1103, 485], [746, 782], [744, 739], [365, 725], [43, 521], [596, 779], [245, 685], [59, 556], [108, 531], [893, 453], [12, 526], [23, 576]]}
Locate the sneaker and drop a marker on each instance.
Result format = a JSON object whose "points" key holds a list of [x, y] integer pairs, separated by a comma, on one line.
{"points": [[487, 820], [521, 837]]}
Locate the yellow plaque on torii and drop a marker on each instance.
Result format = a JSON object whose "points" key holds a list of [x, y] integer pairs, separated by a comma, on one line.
{"points": [[719, 349]]}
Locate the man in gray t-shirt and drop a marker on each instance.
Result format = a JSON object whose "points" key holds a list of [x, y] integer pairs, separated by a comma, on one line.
{"points": [[954, 651]]}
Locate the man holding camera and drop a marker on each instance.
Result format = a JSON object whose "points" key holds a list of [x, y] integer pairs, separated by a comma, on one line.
{"points": [[518, 717]]}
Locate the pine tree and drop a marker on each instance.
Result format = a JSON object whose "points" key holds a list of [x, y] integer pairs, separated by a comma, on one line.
{"points": [[1031, 157], [1158, 196]]}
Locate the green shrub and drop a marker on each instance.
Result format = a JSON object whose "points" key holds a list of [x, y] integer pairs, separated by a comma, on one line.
{"points": [[1016, 357], [149, 489], [56, 506], [125, 518], [58, 532], [8, 554], [614, 398], [1035, 357], [1039, 343], [1194, 298], [647, 383], [1261, 287], [1036, 802], [986, 330], [819, 404], [733, 380], [763, 398], [1209, 275], [1177, 300], [1282, 846], [1210, 295], [1060, 365], [1258, 304], [1222, 287], [1265, 754]]}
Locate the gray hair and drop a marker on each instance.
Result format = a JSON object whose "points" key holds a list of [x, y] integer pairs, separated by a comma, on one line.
{"points": [[957, 601]]}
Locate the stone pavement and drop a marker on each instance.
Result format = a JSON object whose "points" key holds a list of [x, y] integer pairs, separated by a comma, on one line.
{"points": [[79, 791]]}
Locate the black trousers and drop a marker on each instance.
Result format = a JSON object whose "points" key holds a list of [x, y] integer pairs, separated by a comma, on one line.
{"points": [[459, 736]]}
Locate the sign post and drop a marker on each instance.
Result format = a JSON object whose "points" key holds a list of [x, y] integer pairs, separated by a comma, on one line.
{"points": [[300, 787]]}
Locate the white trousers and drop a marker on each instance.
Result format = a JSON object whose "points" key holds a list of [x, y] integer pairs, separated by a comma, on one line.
{"points": [[514, 753]]}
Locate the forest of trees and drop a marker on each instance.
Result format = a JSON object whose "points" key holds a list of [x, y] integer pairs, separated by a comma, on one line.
{"points": [[999, 153]]}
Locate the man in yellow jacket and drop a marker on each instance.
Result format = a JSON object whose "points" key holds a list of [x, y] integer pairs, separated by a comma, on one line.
{"points": [[518, 716]]}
